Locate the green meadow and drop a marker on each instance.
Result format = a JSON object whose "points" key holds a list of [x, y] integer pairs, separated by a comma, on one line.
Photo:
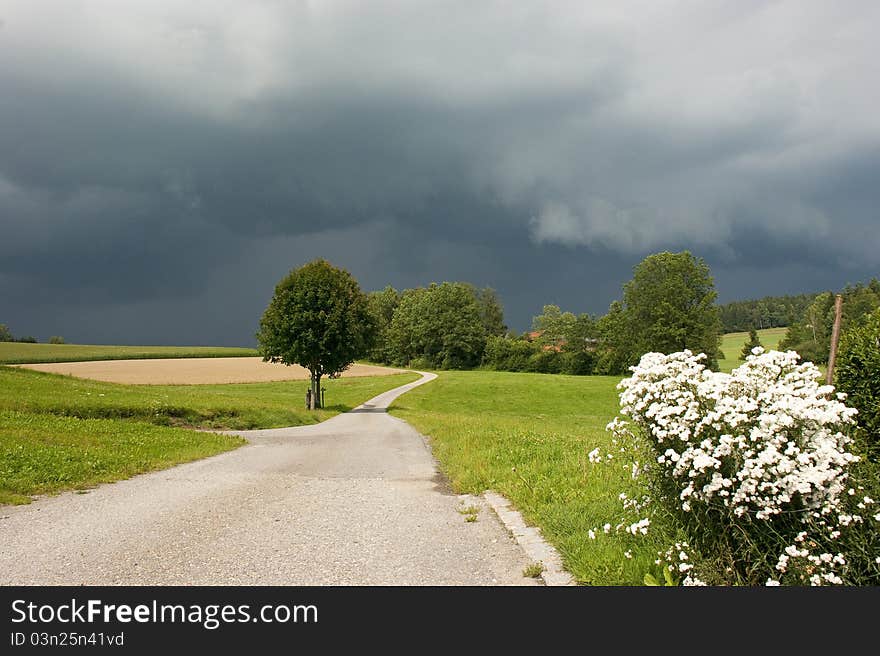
{"points": [[732, 344]]}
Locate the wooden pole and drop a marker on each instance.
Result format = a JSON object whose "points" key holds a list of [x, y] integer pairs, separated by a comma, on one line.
{"points": [[835, 338]]}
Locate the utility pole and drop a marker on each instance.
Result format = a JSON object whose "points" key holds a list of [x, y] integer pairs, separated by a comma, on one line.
{"points": [[835, 337]]}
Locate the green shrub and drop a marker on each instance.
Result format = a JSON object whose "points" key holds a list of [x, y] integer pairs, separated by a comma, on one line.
{"points": [[578, 363], [546, 362], [420, 363], [612, 362], [520, 356], [732, 483], [508, 354], [858, 373], [56, 339], [809, 351]]}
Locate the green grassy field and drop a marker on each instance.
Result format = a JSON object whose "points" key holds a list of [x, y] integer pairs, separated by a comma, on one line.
{"points": [[527, 437], [26, 353], [59, 432], [732, 343]]}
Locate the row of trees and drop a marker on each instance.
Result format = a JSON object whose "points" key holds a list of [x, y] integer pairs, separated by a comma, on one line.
{"points": [[558, 343], [669, 305], [442, 326], [320, 319]]}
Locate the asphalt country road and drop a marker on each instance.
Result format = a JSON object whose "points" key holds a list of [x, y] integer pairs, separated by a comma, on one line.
{"points": [[355, 500]]}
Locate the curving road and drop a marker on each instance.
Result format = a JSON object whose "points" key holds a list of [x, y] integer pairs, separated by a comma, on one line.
{"points": [[355, 500]]}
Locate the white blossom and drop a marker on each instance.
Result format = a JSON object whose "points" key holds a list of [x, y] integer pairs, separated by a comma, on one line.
{"points": [[758, 443]]}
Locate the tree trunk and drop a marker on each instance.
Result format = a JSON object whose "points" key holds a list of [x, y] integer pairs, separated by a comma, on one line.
{"points": [[316, 390]]}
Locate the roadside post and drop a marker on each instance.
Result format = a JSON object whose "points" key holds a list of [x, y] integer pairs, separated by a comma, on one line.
{"points": [[835, 338]]}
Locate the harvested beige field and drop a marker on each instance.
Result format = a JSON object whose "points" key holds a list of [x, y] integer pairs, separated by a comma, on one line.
{"points": [[192, 371]]}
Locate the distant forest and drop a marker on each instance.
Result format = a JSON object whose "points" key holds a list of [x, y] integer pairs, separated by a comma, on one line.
{"points": [[767, 312]]}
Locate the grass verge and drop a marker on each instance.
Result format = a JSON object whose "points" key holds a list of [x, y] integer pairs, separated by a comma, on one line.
{"points": [[527, 436]]}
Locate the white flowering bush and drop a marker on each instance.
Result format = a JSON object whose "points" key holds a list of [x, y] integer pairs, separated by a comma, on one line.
{"points": [[753, 468]]}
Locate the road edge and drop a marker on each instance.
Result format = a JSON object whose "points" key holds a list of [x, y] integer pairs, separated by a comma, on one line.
{"points": [[530, 540]]}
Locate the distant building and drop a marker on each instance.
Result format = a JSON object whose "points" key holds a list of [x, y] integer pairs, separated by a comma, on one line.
{"points": [[535, 334]]}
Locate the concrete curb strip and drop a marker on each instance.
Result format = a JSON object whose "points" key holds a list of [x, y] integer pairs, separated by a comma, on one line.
{"points": [[531, 541]]}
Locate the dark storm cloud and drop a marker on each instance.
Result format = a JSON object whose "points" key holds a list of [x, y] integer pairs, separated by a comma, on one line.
{"points": [[159, 158]]}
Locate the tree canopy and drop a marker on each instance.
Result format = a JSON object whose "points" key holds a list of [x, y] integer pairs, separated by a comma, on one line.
{"points": [[858, 373], [671, 305], [382, 305], [491, 311], [439, 326], [668, 306], [319, 319], [766, 312], [553, 325]]}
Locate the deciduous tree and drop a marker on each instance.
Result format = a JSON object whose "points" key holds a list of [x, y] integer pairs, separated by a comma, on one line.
{"points": [[438, 326], [670, 305], [382, 306], [319, 319]]}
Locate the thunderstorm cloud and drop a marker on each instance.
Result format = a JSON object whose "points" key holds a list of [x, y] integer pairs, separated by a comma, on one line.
{"points": [[163, 164]]}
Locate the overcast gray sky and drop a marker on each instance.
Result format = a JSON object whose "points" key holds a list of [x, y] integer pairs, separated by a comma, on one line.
{"points": [[163, 164]]}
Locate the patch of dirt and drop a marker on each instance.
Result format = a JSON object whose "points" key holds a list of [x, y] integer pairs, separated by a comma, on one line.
{"points": [[193, 371]]}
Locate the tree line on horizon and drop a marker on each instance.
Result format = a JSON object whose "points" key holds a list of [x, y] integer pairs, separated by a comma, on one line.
{"points": [[766, 312], [320, 319], [668, 305]]}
